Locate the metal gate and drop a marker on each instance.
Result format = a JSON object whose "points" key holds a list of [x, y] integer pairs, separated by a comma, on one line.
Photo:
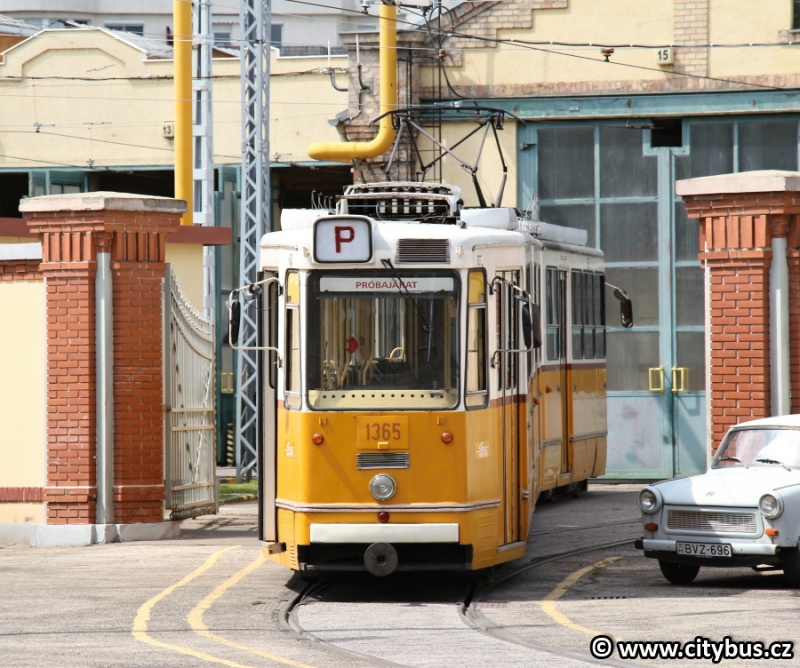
{"points": [[190, 412]]}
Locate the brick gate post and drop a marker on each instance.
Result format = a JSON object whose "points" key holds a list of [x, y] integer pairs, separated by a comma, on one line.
{"points": [[740, 216], [73, 230]]}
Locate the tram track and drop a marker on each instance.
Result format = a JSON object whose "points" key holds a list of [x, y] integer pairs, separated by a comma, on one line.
{"points": [[467, 610]]}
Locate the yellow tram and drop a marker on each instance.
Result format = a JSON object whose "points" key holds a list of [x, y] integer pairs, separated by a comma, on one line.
{"points": [[429, 371]]}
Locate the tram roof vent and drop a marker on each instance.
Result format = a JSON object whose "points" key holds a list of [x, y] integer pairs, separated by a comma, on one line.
{"points": [[423, 251], [558, 233]]}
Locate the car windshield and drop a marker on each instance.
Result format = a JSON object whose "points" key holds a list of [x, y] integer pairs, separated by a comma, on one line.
{"points": [[759, 447]]}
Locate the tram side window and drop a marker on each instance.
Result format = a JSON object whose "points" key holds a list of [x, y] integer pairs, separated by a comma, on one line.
{"points": [[476, 391], [292, 388], [588, 315], [577, 315], [554, 314]]}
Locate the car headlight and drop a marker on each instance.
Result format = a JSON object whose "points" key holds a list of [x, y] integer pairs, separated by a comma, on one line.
{"points": [[649, 500], [771, 506], [382, 487]]}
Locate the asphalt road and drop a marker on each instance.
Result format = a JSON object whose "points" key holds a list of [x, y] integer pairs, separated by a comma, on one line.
{"points": [[209, 599]]}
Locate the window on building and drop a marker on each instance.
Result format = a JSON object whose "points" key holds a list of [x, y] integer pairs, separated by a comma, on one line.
{"points": [[135, 28], [222, 37], [796, 15], [276, 34]]}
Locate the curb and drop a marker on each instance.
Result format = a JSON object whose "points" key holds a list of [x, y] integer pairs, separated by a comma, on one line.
{"points": [[239, 498]]}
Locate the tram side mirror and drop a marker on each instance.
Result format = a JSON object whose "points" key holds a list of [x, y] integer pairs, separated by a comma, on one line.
{"points": [[234, 318], [626, 312], [531, 325], [625, 305]]}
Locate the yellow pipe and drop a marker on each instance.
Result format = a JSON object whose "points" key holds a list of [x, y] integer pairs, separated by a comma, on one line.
{"points": [[347, 151], [182, 45]]}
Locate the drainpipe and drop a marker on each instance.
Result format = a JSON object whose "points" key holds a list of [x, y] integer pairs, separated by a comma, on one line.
{"points": [[347, 151], [779, 327], [105, 395], [707, 344]]}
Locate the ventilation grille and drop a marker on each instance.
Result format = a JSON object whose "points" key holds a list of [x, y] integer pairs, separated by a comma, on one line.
{"points": [[430, 209], [423, 251], [382, 460], [711, 522]]}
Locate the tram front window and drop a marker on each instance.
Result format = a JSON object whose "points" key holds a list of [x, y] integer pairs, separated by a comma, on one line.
{"points": [[380, 340]]}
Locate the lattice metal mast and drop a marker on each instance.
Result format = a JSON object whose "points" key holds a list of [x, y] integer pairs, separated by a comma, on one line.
{"points": [[255, 19]]}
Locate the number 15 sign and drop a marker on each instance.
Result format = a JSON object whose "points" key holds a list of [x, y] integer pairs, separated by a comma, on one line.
{"points": [[342, 239]]}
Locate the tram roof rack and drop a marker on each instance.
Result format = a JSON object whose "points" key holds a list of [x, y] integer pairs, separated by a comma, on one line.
{"points": [[557, 233]]}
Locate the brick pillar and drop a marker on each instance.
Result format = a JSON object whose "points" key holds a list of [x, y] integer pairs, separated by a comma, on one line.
{"points": [[73, 229], [739, 215]]}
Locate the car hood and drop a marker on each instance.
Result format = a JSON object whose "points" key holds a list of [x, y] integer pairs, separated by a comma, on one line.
{"points": [[733, 486]]}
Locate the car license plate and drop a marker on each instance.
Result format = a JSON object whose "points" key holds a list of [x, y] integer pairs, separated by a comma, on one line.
{"points": [[704, 550], [382, 433]]}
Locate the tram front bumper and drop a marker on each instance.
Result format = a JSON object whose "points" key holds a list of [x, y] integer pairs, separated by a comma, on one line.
{"points": [[384, 533], [384, 548]]}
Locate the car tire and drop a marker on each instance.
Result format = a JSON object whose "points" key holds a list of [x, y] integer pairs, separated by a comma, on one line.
{"points": [[678, 574], [790, 562]]}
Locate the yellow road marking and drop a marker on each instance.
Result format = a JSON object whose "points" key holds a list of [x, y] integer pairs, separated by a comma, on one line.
{"points": [[549, 602], [195, 617], [139, 630]]}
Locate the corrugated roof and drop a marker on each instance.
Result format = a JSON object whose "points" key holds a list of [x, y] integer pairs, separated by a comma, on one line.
{"points": [[151, 47], [9, 26]]}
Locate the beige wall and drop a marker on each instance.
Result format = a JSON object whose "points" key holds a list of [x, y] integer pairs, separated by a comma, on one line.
{"points": [[634, 29], [117, 117], [19, 513], [22, 384], [186, 261], [490, 170]]}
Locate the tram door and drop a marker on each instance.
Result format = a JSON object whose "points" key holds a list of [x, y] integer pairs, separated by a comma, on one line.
{"points": [[508, 383]]}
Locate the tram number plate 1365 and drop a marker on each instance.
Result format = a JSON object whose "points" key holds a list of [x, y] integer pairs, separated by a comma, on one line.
{"points": [[382, 433], [704, 549]]}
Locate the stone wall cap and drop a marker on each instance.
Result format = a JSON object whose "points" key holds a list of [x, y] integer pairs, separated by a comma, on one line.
{"points": [[766, 180], [102, 201]]}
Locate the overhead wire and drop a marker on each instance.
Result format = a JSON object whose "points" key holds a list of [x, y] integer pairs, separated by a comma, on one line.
{"points": [[442, 34]]}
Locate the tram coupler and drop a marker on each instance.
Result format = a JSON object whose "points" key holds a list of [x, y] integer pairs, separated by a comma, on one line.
{"points": [[381, 559]]}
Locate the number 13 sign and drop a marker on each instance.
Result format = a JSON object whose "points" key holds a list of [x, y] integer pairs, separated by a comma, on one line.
{"points": [[342, 239]]}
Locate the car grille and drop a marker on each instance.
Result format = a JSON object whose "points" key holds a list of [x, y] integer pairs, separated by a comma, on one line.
{"points": [[711, 521], [382, 460]]}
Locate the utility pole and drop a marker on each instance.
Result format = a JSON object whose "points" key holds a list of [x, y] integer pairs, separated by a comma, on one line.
{"points": [[202, 135], [255, 18]]}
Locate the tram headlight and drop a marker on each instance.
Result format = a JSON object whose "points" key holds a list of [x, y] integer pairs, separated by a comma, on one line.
{"points": [[649, 500], [771, 506], [382, 487]]}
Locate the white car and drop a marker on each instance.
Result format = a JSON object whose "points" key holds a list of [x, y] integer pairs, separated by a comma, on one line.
{"points": [[745, 511]]}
